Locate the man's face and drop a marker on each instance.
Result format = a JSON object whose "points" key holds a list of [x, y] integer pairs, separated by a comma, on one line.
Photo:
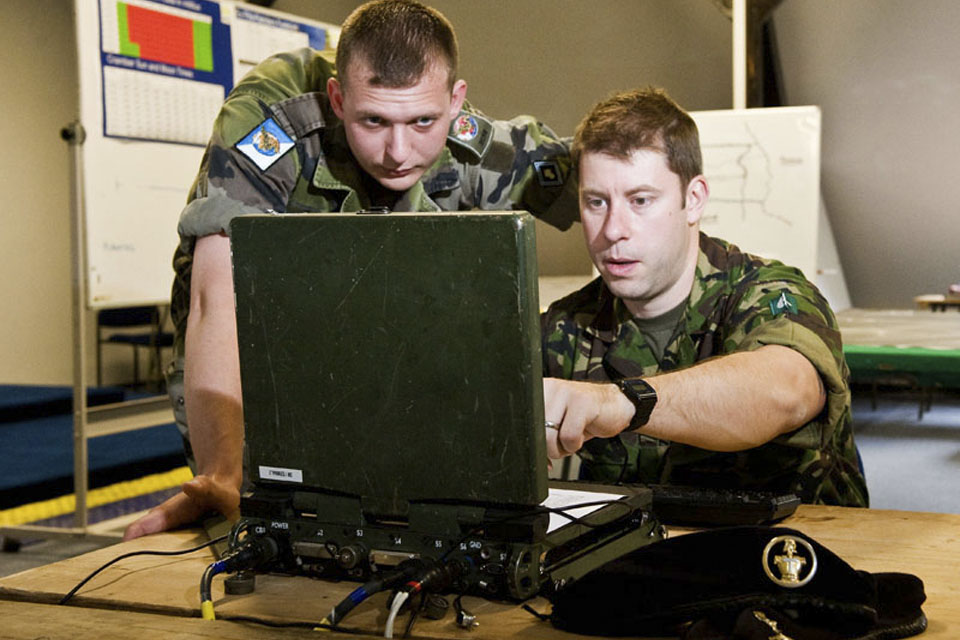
{"points": [[396, 134], [641, 236]]}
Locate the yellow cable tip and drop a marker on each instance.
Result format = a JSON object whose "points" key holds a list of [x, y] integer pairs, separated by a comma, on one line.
{"points": [[206, 610], [324, 621]]}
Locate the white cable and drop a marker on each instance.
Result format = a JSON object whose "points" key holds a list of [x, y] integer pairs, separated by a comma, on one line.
{"points": [[398, 601]]}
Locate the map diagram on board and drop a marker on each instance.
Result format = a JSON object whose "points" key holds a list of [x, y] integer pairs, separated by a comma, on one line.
{"points": [[763, 170], [741, 178]]}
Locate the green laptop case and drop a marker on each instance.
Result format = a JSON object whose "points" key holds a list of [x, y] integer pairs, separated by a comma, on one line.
{"points": [[392, 357]]}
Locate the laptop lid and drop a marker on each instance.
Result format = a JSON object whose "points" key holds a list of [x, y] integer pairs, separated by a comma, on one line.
{"points": [[392, 357]]}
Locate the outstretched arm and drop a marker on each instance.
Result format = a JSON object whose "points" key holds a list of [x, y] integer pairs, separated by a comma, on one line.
{"points": [[212, 395], [729, 403]]}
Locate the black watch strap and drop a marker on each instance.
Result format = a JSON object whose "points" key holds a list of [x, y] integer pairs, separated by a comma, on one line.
{"points": [[643, 397]]}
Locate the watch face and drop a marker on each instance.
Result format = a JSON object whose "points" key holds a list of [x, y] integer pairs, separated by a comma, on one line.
{"points": [[643, 397]]}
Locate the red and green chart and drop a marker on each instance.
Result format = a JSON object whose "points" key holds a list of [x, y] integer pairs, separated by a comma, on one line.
{"points": [[163, 36]]}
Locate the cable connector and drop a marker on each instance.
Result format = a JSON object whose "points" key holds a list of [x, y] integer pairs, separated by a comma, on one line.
{"points": [[254, 551]]}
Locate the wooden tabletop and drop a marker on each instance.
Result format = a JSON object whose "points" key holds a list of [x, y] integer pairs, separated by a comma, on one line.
{"points": [[900, 328], [137, 589], [937, 301]]}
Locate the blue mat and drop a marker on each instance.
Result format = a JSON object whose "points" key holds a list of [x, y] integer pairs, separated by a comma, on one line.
{"points": [[25, 402], [36, 455]]}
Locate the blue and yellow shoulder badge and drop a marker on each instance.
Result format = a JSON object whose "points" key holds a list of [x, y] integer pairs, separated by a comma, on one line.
{"points": [[265, 144]]}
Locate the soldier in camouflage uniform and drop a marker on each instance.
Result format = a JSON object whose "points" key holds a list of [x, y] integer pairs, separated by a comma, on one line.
{"points": [[392, 130], [738, 374]]}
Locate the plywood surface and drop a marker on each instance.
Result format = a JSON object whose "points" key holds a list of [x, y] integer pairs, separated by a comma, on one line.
{"points": [[925, 544]]}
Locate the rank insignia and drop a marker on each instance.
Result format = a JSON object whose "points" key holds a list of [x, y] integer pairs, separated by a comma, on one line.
{"points": [[265, 144], [788, 564], [548, 174], [784, 303]]}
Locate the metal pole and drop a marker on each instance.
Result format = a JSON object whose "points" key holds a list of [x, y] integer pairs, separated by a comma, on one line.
{"points": [[740, 54], [74, 135]]}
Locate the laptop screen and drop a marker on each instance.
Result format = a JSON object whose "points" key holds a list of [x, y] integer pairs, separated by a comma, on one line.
{"points": [[392, 357]]}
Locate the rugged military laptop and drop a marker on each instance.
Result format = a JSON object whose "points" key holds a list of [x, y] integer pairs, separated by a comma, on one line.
{"points": [[393, 401]]}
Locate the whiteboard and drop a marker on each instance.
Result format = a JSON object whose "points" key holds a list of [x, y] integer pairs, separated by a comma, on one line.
{"points": [[147, 112], [763, 170]]}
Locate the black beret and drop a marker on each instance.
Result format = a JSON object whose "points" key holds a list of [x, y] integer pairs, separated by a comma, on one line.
{"points": [[724, 582]]}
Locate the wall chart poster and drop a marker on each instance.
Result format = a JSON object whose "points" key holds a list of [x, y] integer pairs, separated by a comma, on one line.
{"points": [[166, 65]]}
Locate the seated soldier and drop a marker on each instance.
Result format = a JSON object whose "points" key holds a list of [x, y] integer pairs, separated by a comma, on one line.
{"points": [[688, 362]]}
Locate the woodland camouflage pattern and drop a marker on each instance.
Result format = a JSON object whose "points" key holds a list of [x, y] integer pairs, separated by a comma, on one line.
{"points": [[739, 302], [516, 164]]}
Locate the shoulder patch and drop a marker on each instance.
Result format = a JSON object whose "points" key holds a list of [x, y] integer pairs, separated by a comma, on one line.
{"points": [[784, 303], [472, 131], [265, 144]]}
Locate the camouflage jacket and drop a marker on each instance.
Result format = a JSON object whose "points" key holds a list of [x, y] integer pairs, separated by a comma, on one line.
{"points": [[738, 302], [277, 146]]}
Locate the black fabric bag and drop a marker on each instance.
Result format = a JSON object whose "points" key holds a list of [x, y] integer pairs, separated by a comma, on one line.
{"points": [[740, 582]]}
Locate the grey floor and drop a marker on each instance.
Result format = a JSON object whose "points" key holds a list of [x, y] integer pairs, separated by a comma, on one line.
{"points": [[911, 464]]}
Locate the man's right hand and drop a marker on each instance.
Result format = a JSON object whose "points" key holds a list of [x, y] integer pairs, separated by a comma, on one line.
{"points": [[212, 394], [197, 497]]}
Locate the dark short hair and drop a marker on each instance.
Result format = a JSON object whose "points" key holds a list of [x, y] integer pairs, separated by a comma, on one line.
{"points": [[399, 39], [641, 119]]}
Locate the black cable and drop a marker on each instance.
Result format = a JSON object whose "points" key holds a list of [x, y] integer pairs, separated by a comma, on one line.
{"points": [[299, 625], [364, 591], [539, 509], [206, 580], [415, 613], [73, 591], [465, 619], [561, 511], [541, 616]]}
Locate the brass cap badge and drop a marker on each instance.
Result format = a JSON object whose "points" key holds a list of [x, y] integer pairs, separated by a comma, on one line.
{"points": [[787, 566]]}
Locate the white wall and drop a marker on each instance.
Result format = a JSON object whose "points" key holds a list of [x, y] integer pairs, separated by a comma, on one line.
{"points": [[885, 75], [39, 97]]}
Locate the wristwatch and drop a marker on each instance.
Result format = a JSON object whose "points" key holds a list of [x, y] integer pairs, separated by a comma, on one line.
{"points": [[643, 397]]}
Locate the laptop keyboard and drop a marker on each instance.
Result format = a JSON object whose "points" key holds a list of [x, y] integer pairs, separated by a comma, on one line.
{"points": [[698, 506]]}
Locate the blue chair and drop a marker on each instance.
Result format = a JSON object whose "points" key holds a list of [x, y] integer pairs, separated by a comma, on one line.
{"points": [[140, 328]]}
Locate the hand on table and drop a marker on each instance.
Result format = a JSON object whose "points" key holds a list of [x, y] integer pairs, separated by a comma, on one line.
{"points": [[197, 497]]}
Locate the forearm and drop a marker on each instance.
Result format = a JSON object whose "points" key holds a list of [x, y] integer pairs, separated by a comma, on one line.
{"points": [[730, 403], [737, 401], [212, 365], [213, 399]]}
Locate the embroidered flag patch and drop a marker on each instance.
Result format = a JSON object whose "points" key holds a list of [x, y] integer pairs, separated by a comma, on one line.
{"points": [[784, 303], [265, 144]]}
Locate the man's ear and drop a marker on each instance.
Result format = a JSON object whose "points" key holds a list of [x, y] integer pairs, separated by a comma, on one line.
{"points": [[458, 95], [335, 95], [698, 192]]}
